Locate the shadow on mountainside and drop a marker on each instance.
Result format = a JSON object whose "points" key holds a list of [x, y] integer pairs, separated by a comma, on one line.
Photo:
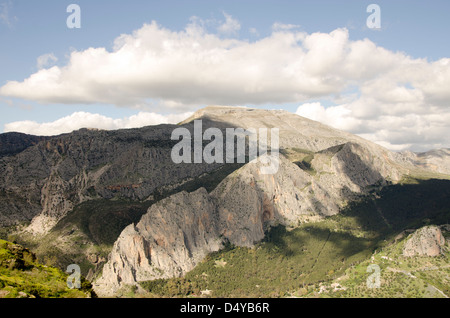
{"points": [[402, 206]]}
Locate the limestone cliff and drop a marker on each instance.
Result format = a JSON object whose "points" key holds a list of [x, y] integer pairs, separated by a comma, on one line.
{"points": [[426, 241], [437, 160], [169, 240]]}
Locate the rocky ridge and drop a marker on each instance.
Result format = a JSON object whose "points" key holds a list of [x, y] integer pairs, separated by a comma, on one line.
{"points": [[45, 181], [426, 241]]}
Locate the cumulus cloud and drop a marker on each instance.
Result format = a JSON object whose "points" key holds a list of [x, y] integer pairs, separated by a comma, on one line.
{"points": [[80, 120], [338, 117], [191, 66], [383, 95], [417, 131]]}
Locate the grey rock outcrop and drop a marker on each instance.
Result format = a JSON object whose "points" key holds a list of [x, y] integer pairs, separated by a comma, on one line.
{"points": [[426, 241], [169, 240], [42, 178], [13, 143]]}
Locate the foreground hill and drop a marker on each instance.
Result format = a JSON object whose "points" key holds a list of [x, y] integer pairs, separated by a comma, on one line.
{"points": [[21, 276]]}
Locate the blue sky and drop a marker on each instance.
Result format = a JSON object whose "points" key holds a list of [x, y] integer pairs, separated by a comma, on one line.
{"points": [[417, 29]]}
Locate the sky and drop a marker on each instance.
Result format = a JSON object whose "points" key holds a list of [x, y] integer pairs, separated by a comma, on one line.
{"points": [[383, 73]]}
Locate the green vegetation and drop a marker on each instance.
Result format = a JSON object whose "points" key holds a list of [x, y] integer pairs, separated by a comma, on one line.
{"points": [[90, 228], [103, 220], [284, 261], [411, 277], [22, 276], [304, 260]]}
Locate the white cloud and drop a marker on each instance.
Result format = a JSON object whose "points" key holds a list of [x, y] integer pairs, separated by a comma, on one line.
{"points": [[384, 95], [339, 117], [186, 67], [46, 60], [407, 131], [230, 26], [80, 120]]}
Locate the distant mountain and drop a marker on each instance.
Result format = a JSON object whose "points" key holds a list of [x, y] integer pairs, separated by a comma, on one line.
{"points": [[436, 160], [12, 143]]}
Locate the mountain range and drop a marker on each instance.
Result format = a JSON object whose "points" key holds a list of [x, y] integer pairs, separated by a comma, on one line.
{"points": [[116, 204]]}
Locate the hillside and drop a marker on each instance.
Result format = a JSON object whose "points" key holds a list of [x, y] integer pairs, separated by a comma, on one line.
{"points": [[21, 276], [421, 276]]}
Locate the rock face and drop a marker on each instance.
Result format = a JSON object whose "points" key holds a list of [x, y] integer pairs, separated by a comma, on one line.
{"points": [[43, 178], [295, 131], [427, 241], [174, 235], [178, 232], [46, 180], [12, 143]]}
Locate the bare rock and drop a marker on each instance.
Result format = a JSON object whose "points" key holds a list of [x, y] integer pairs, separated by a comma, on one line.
{"points": [[437, 160], [174, 235], [426, 241]]}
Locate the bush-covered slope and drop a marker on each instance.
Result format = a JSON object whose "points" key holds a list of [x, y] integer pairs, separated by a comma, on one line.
{"points": [[22, 276]]}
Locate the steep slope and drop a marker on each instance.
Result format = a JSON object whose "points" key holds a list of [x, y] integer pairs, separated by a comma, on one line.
{"points": [[21, 276], [169, 240], [313, 258], [12, 143], [46, 181], [295, 131], [241, 208]]}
